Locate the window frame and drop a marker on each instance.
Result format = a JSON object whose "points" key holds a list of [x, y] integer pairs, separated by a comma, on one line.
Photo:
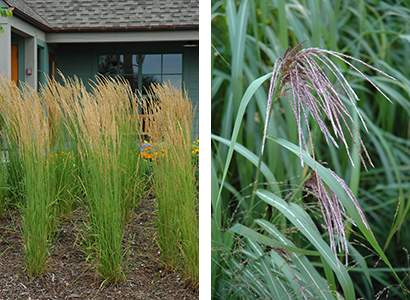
{"points": [[41, 65]]}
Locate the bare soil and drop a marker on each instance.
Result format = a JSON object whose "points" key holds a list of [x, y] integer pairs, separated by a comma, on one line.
{"points": [[70, 276]]}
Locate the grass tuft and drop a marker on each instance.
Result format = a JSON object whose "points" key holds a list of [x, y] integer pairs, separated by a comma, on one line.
{"points": [[174, 179]]}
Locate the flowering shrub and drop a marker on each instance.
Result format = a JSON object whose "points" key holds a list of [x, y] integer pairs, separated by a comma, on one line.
{"points": [[195, 159], [65, 156], [151, 152]]}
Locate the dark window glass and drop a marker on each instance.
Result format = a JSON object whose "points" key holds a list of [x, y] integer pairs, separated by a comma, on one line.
{"points": [[147, 80], [128, 64], [40, 67], [39, 59], [108, 65], [133, 81], [150, 68]]}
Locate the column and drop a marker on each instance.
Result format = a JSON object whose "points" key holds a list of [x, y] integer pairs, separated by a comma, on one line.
{"points": [[5, 50]]}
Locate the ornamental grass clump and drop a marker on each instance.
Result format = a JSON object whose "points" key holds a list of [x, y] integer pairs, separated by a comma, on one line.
{"points": [[67, 189], [174, 179], [110, 170], [69, 146], [29, 132], [299, 78]]}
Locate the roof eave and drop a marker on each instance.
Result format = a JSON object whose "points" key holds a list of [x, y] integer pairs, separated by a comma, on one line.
{"points": [[125, 29], [17, 12]]}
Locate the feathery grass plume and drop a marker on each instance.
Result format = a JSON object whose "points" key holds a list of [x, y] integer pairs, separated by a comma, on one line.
{"points": [[28, 139], [106, 123], [333, 210], [174, 178], [298, 74], [299, 77]]}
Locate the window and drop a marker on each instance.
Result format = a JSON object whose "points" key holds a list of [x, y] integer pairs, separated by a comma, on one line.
{"points": [[142, 70]]}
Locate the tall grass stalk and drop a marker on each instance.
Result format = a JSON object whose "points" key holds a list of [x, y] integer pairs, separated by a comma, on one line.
{"points": [[37, 214], [103, 194], [66, 184], [3, 169], [3, 185], [174, 180], [9, 96], [110, 163], [30, 131], [66, 143]]}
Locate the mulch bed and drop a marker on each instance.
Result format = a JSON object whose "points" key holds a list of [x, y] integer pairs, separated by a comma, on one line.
{"points": [[70, 276]]}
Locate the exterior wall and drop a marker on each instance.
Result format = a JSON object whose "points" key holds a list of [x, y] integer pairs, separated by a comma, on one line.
{"points": [[5, 49], [77, 60], [191, 79], [27, 36], [81, 60]]}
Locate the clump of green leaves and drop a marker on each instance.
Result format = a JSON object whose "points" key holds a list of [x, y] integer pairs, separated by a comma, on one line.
{"points": [[4, 13]]}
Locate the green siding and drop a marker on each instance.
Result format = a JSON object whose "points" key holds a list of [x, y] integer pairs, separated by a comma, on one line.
{"points": [[191, 80], [81, 60], [76, 60]]}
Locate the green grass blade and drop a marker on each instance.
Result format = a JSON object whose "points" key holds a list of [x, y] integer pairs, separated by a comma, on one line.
{"points": [[361, 263], [283, 24], [341, 194], [304, 223], [271, 282], [253, 159], [309, 273], [264, 240], [214, 196], [244, 103], [330, 277]]}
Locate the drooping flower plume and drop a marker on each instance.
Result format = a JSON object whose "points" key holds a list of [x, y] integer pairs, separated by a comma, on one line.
{"points": [[299, 77], [298, 74], [333, 210]]}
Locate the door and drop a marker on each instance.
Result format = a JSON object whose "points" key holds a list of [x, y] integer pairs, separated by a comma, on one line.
{"points": [[14, 64]]}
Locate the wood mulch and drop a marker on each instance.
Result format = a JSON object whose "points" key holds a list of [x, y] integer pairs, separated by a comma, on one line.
{"points": [[70, 276]]}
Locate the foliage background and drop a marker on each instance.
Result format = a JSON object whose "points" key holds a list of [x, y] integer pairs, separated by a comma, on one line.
{"points": [[247, 38], [4, 13]]}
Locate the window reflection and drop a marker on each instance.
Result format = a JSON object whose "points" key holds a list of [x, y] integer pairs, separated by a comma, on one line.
{"points": [[151, 64], [172, 63], [128, 64], [147, 80], [175, 80], [108, 65], [143, 70], [132, 80]]}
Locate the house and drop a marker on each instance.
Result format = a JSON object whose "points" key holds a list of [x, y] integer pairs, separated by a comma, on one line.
{"points": [[142, 40]]}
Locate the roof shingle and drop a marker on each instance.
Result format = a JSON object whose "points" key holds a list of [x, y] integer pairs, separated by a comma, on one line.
{"points": [[120, 14]]}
